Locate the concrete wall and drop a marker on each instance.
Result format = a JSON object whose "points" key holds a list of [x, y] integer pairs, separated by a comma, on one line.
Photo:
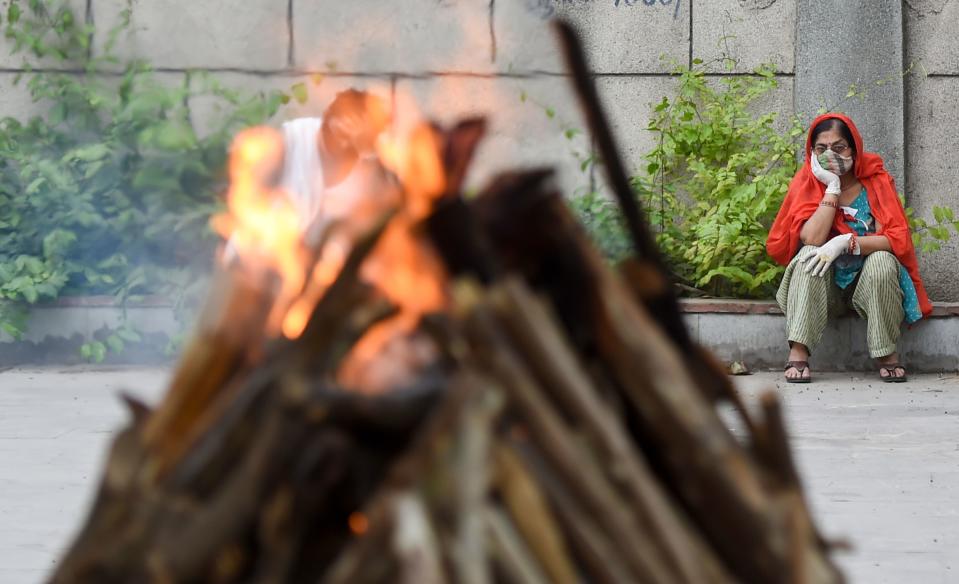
{"points": [[931, 121], [56, 331], [457, 57]]}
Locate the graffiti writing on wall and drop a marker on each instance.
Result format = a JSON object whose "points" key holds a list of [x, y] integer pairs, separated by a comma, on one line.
{"points": [[547, 8]]}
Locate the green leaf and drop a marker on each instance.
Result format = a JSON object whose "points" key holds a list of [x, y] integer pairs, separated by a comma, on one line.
{"points": [[11, 330], [57, 243], [939, 214], [89, 153], [301, 93], [115, 343], [176, 135], [943, 214], [29, 294], [58, 114], [98, 351], [34, 186], [47, 290], [129, 335]]}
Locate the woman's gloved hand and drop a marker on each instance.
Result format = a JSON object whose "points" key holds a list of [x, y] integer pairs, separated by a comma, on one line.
{"points": [[819, 260], [825, 177]]}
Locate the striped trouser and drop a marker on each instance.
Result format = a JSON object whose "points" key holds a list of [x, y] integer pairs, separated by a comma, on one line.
{"points": [[808, 301]]}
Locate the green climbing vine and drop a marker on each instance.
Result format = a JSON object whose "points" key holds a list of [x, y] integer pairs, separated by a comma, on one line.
{"points": [[108, 188]]}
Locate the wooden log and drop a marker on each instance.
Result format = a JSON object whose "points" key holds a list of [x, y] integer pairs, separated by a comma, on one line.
{"points": [[230, 331], [459, 240], [473, 463], [185, 549], [663, 305], [716, 479], [593, 542], [415, 542], [534, 519], [509, 550], [363, 561], [535, 235], [407, 472], [461, 143], [710, 375], [557, 368], [575, 466]]}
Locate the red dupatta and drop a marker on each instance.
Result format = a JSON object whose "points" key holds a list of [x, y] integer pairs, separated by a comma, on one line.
{"points": [[805, 193]]}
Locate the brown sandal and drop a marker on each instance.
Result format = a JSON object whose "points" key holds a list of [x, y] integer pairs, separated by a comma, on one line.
{"points": [[799, 366], [890, 370]]}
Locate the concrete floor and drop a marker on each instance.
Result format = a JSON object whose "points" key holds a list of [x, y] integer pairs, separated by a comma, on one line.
{"points": [[880, 461], [55, 426]]}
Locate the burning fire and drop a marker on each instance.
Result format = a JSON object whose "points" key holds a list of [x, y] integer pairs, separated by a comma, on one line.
{"points": [[265, 234], [262, 226], [358, 523]]}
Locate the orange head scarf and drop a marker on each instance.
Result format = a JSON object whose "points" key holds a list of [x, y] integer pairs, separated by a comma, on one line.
{"points": [[805, 193]]}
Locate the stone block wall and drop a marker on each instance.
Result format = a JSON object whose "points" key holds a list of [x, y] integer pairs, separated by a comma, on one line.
{"points": [[458, 57], [931, 47]]}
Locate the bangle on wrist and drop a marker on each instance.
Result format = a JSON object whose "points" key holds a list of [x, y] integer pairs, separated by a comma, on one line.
{"points": [[853, 245]]}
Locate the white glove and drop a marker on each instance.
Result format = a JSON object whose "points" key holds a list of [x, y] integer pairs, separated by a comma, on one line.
{"points": [[822, 257], [825, 177]]}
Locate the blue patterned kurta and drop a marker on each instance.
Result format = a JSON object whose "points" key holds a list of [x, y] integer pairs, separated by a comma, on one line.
{"points": [[847, 266]]}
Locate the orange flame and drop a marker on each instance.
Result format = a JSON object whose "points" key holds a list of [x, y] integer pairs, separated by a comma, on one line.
{"points": [[324, 273], [358, 523], [404, 267], [265, 232], [261, 224], [417, 163]]}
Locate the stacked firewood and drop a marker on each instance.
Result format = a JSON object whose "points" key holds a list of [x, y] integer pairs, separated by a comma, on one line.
{"points": [[567, 430]]}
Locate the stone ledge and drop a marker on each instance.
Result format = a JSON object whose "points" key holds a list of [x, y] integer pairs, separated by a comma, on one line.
{"points": [[106, 302], [735, 330], [686, 305], [735, 306]]}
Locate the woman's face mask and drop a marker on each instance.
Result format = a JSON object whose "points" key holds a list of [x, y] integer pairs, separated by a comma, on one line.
{"points": [[835, 163]]}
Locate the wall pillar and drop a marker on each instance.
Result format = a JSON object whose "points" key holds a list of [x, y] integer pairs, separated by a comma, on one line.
{"points": [[841, 43]]}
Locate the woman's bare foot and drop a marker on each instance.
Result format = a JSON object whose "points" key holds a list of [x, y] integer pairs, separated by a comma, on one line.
{"points": [[889, 367], [798, 352]]}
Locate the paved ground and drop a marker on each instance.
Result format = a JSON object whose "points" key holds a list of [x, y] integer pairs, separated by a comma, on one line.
{"points": [[881, 463], [55, 426]]}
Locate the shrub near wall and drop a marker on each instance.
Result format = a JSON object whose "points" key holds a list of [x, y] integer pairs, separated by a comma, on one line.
{"points": [[110, 190], [712, 184], [715, 181]]}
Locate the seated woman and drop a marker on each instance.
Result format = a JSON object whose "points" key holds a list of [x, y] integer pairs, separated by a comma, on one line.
{"points": [[843, 235]]}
